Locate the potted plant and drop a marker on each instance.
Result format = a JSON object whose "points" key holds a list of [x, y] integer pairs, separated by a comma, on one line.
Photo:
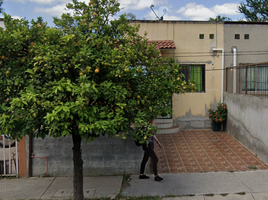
{"points": [[218, 117]]}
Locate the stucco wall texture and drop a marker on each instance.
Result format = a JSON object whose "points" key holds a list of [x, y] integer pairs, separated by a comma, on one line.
{"points": [[247, 122], [103, 156]]}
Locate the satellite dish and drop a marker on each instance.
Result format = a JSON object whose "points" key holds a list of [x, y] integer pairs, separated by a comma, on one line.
{"points": [[162, 11]]}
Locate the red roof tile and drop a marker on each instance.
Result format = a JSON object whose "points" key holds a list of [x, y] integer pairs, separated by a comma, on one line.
{"points": [[163, 44]]}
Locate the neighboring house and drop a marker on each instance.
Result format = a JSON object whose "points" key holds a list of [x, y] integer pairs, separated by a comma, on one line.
{"points": [[244, 43], [247, 87]]}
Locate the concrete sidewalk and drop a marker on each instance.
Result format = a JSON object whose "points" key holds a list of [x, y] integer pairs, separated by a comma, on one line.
{"points": [[58, 187], [250, 185]]}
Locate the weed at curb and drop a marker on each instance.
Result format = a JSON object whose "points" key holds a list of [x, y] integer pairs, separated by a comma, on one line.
{"points": [[209, 195], [241, 193], [126, 179], [190, 195]]}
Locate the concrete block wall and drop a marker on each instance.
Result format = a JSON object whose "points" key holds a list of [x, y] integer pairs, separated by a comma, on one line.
{"points": [[248, 122], [103, 156]]}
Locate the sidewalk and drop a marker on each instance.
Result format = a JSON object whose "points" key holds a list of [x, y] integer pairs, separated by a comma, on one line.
{"points": [[58, 187], [249, 185]]}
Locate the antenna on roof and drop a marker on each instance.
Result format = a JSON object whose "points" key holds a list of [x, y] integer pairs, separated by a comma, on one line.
{"points": [[161, 11]]}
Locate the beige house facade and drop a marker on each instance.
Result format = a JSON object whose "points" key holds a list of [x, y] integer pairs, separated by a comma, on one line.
{"points": [[210, 53], [199, 49], [245, 43]]}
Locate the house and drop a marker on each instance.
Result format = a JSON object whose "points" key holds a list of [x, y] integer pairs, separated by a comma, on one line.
{"points": [[228, 61], [210, 54], [199, 49]]}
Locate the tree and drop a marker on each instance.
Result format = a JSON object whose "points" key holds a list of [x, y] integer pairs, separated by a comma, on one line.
{"points": [[219, 18], [87, 77], [130, 16], [1, 9], [254, 10]]}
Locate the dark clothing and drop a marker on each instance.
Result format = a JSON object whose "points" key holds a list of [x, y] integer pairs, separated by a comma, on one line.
{"points": [[149, 152]]}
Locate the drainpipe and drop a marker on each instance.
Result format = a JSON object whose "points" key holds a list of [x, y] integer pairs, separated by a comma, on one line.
{"points": [[222, 65], [234, 49]]}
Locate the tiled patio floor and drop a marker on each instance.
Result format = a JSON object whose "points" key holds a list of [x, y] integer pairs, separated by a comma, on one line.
{"points": [[204, 151]]}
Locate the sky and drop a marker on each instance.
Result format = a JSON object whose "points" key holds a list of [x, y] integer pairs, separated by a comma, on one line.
{"points": [[176, 9]]}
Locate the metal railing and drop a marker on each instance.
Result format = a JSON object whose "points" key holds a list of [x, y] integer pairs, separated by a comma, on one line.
{"points": [[8, 156], [249, 79]]}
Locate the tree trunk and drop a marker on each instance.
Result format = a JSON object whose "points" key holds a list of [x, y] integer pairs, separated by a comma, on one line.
{"points": [[78, 168]]}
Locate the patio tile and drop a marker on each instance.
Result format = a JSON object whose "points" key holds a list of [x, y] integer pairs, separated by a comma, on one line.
{"points": [[192, 151]]}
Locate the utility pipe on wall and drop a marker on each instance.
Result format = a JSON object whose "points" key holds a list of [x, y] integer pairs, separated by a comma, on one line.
{"points": [[222, 73], [234, 49]]}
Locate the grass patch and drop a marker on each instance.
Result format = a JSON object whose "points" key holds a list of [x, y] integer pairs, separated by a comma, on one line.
{"points": [[253, 167]]}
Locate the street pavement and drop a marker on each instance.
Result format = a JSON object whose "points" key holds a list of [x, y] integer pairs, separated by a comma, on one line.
{"points": [[248, 185]]}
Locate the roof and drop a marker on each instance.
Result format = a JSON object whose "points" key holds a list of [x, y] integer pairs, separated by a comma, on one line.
{"points": [[163, 44], [196, 22]]}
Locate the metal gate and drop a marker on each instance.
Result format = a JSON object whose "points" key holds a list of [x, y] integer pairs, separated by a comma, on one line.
{"points": [[8, 156]]}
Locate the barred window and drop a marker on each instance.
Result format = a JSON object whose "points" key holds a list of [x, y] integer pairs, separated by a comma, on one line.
{"points": [[195, 73], [255, 78]]}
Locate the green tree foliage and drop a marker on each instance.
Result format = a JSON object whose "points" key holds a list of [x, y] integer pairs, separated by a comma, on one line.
{"points": [[130, 16], [87, 77], [219, 18], [254, 10], [1, 8]]}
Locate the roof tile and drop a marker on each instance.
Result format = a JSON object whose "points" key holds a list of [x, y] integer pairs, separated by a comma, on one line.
{"points": [[163, 44]]}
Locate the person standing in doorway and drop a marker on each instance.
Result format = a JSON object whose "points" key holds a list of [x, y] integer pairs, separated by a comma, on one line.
{"points": [[150, 153]]}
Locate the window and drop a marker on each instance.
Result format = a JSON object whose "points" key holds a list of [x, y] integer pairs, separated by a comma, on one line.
{"points": [[211, 36], [201, 36], [255, 78], [195, 73], [237, 36], [246, 36]]}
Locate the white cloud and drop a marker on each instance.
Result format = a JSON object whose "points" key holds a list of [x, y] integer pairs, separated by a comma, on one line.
{"points": [[200, 12], [135, 4], [195, 12], [171, 17], [44, 1], [53, 11], [226, 9], [56, 10], [16, 17], [151, 16]]}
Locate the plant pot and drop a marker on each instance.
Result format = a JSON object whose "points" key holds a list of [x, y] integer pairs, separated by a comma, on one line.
{"points": [[216, 127]]}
